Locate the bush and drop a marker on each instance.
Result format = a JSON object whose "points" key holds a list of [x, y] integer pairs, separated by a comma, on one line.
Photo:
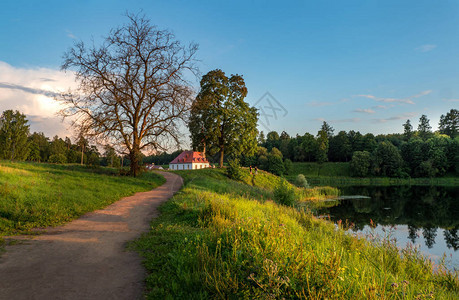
{"points": [[234, 169], [284, 193], [301, 181], [57, 159]]}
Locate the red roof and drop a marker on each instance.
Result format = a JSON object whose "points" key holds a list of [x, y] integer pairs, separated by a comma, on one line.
{"points": [[190, 157]]}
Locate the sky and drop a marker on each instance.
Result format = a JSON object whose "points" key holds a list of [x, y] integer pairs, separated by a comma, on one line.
{"points": [[359, 65]]}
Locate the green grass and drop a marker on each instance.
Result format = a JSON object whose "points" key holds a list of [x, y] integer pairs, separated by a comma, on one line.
{"points": [[338, 174], [219, 238], [39, 195]]}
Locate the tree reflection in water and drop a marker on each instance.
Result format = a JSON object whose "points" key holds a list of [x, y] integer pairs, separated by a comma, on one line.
{"points": [[424, 209]]}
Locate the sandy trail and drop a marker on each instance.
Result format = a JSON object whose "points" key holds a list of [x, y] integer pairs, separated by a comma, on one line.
{"points": [[85, 259]]}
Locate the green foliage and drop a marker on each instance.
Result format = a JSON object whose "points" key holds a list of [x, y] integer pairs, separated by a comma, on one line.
{"points": [[424, 128], [287, 166], [220, 120], [57, 159], [449, 124], [340, 147], [275, 164], [233, 170], [322, 146], [14, 131], [360, 164], [407, 130], [301, 181], [213, 241], [40, 195], [284, 193], [387, 160]]}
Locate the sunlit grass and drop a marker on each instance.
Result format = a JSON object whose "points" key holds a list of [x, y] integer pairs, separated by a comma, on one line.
{"points": [[223, 239], [39, 195]]}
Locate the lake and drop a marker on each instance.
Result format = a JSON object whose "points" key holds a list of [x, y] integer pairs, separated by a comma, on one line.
{"points": [[426, 216]]}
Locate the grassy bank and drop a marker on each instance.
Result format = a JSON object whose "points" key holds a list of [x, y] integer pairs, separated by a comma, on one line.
{"points": [[219, 238], [338, 174], [39, 195]]}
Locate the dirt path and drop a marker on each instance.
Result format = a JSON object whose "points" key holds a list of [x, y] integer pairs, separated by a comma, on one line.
{"points": [[85, 259]]}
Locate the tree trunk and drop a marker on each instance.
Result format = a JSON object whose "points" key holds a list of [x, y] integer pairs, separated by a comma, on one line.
{"points": [[82, 154], [221, 156], [134, 157]]}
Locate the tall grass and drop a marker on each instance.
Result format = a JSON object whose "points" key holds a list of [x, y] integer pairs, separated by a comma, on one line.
{"points": [[39, 195], [224, 239]]}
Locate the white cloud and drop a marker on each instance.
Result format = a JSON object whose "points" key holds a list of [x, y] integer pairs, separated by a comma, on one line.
{"points": [[364, 110], [350, 120], [71, 35], [407, 100], [396, 117], [426, 48], [32, 92]]}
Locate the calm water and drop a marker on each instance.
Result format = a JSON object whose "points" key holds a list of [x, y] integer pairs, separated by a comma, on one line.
{"points": [[427, 217]]}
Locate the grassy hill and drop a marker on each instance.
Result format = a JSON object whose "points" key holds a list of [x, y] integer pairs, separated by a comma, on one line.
{"points": [[39, 195], [218, 238]]}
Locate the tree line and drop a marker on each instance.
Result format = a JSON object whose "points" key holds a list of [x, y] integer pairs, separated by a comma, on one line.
{"points": [[415, 153], [17, 143]]}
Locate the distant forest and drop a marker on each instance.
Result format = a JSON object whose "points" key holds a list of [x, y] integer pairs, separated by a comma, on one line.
{"points": [[414, 153]]}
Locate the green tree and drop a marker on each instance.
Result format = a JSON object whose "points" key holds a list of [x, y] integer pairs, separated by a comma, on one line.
{"points": [[360, 163], [322, 146], [284, 144], [424, 128], [275, 164], [272, 140], [340, 148], [449, 124], [407, 130], [58, 147], [309, 145], [327, 129], [221, 121], [14, 132], [387, 160], [38, 141]]}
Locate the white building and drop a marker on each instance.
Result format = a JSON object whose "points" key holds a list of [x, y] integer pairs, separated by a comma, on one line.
{"points": [[189, 160]]}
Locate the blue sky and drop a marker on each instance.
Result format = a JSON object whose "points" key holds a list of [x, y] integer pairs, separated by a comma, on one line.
{"points": [[361, 65]]}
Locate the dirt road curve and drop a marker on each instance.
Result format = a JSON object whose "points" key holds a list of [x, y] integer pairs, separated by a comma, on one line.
{"points": [[85, 259]]}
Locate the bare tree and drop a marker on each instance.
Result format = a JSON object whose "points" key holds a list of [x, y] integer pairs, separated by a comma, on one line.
{"points": [[132, 89]]}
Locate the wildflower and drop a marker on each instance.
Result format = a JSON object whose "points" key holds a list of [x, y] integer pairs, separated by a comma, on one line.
{"points": [[394, 285]]}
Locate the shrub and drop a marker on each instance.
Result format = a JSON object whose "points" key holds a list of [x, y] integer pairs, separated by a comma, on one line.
{"points": [[284, 193], [234, 169], [301, 181]]}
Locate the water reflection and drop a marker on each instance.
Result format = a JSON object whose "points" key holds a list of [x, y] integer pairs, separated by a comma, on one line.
{"points": [[422, 215]]}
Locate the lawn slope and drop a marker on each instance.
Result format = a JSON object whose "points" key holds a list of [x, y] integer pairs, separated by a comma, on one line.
{"points": [[39, 195], [219, 238]]}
